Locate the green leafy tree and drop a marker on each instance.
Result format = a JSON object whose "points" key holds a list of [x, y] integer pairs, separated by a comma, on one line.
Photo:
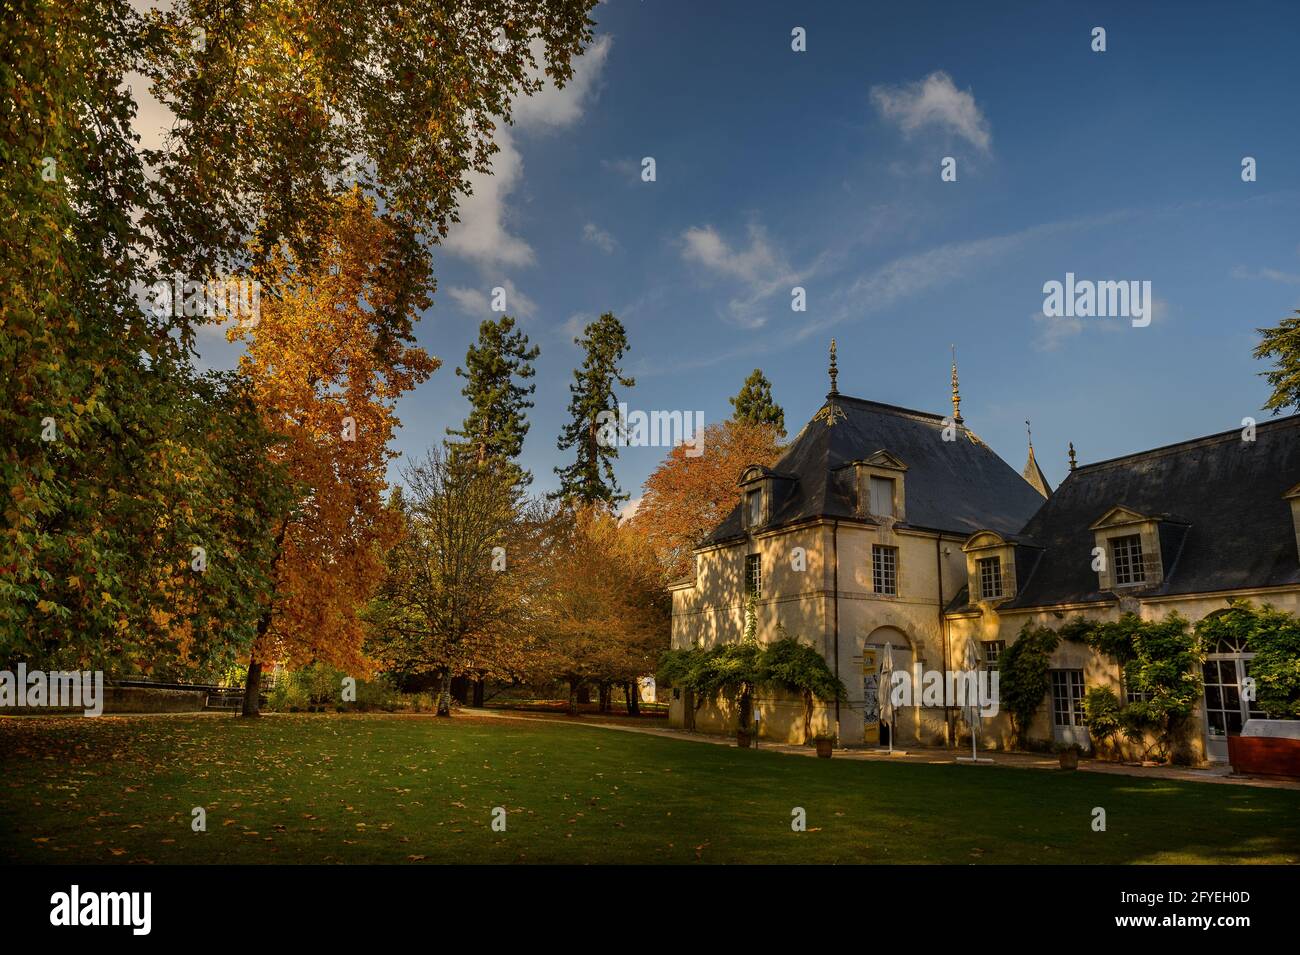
{"points": [[457, 574], [754, 403], [272, 106], [1274, 637], [593, 437], [798, 668], [1160, 662], [1281, 342], [1023, 676], [496, 368]]}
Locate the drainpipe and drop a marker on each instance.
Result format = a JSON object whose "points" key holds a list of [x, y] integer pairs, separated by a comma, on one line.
{"points": [[943, 632], [835, 603]]}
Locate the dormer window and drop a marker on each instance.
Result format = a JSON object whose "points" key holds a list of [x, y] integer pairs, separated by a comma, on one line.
{"points": [[878, 483], [990, 567], [990, 577], [1126, 558], [882, 496], [761, 492], [1127, 551]]}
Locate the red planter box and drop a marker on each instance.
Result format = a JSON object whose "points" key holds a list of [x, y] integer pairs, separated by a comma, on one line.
{"points": [[1264, 755]]}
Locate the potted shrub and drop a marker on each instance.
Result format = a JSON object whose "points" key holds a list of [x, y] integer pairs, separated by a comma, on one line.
{"points": [[1068, 755], [825, 743]]}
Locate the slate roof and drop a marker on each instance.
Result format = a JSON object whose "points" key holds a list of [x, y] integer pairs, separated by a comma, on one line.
{"points": [[959, 486], [1035, 476], [1224, 522]]}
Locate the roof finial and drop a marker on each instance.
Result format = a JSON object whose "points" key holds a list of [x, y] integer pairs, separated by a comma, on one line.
{"points": [[1072, 462], [1029, 431], [956, 393], [834, 371]]}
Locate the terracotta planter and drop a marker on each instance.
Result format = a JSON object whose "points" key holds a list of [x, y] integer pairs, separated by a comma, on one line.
{"points": [[824, 748], [1069, 759], [742, 739]]}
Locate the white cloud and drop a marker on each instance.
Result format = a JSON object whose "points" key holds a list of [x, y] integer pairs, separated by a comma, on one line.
{"points": [[599, 238], [575, 325], [629, 509], [934, 101], [1053, 332], [475, 301], [760, 267], [1270, 275], [555, 108], [484, 234]]}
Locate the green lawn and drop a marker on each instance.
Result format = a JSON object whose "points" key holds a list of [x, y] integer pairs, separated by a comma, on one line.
{"points": [[417, 789]]}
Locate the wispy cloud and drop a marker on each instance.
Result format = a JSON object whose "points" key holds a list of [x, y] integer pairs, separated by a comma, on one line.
{"points": [[934, 102], [759, 267], [599, 238], [1265, 275], [478, 302], [484, 234]]}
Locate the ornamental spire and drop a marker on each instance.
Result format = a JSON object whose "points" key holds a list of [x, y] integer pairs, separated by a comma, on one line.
{"points": [[1072, 462], [956, 392], [834, 371]]}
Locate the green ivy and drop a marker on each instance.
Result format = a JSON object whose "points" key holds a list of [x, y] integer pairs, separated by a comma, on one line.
{"points": [[1023, 680], [1274, 637], [736, 670]]}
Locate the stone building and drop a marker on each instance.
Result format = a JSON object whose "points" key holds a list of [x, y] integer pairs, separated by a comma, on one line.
{"points": [[886, 526]]}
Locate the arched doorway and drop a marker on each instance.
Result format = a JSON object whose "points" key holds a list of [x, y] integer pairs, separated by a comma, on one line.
{"points": [[1226, 710], [873, 656]]}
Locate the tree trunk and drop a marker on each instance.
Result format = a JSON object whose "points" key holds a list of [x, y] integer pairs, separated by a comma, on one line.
{"points": [[459, 689], [444, 696], [606, 691], [478, 693], [584, 693], [746, 707], [688, 709], [807, 718], [633, 698], [253, 690], [573, 693]]}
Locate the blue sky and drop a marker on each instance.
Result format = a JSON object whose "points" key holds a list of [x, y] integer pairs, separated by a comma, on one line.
{"points": [[821, 169]]}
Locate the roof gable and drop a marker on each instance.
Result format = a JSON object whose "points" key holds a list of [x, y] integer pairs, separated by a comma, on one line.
{"points": [[960, 486]]}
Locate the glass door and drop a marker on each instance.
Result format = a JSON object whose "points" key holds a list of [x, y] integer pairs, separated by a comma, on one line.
{"points": [[1067, 709], [1226, 709]]}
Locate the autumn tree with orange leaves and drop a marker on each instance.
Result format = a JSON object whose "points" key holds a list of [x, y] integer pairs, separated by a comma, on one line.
{"points": [[686, 497], [602, 615], [328, 359]]}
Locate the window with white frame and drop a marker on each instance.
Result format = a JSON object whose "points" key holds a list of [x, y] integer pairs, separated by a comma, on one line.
{"points": [[990, 577], [992, 651], [884, 569], [754, 508], [1126, 560], [1067, 697]]}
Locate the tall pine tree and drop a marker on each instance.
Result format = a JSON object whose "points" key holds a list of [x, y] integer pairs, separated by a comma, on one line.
{"points": [[590, 478], [496, 367], [754, 404], [1282, 343]]}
